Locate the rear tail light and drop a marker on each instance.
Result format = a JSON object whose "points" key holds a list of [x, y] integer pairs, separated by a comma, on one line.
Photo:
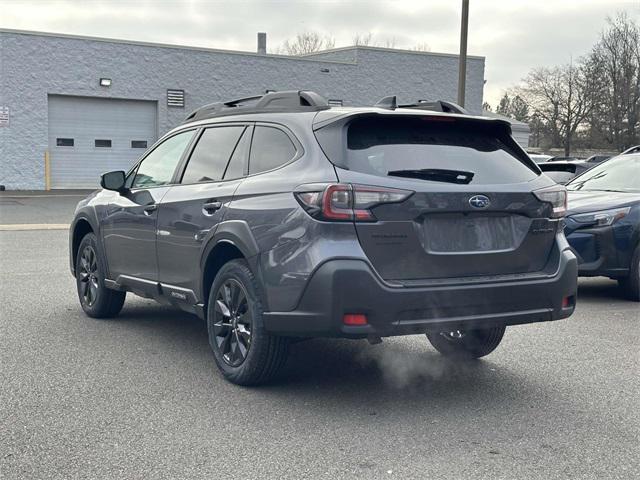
{"points": [[556, 196], [346, 202]]}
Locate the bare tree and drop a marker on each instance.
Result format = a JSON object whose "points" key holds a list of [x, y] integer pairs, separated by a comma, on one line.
{"points": [[421, 47], [369, 40], [306, 42], [562, 98], [363, 40], [389, 43], [616, 60]]}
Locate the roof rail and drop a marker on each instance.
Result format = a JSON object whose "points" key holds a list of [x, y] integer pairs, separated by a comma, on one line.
{"points": [[284, 101], [391, 103]]}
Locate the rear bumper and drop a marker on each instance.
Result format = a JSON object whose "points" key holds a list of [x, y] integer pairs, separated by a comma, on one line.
{"points": [[343, 286]]}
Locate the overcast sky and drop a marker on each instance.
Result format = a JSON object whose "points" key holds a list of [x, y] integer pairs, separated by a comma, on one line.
{"points": [[513, 35]]}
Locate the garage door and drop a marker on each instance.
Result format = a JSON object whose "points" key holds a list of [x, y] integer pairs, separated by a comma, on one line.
{"points": [[90, 136]]}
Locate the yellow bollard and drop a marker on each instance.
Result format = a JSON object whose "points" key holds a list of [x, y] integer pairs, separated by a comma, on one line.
{"points": [[47, 171]]}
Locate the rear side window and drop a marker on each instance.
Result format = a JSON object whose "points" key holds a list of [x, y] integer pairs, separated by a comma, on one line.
{"points": [[271, 148], [211, 154], [404, 146]]}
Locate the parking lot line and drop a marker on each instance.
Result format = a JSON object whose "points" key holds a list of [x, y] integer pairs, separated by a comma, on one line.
{"points": [[33, 226], [80, 195]]}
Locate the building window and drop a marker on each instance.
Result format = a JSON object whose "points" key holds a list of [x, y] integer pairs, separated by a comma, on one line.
{"points": [[334, 102], [175, 98], [64, 142], [138, 144], [103, 143]]}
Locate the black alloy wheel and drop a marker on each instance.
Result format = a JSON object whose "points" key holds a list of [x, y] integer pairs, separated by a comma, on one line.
{"points": [[244, 351], [232, 323], [88, 276], [96, 299]]}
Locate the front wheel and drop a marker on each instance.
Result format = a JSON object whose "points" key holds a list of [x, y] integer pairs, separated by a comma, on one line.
{"points": [[96, 300], [244, 351], [631, 285], [467, 344]]}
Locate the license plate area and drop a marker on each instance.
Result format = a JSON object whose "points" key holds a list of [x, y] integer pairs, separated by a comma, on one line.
{"points": [[474, 233]]}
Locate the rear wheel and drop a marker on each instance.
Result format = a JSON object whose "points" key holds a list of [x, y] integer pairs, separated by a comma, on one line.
{"points": [[96, 300], [631, 284], [244, 351], [467, 344]]}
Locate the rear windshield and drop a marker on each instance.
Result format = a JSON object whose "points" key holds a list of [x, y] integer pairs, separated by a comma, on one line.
{"points": [[415, 147]]}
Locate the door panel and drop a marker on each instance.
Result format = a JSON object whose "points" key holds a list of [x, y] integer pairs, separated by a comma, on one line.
{"points": [[184, 225], [129, 229], [129, 233], [190, 212]]}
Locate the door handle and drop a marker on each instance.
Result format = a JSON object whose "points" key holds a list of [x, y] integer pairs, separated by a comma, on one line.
{"points": [[211, 207], [149, 209]]}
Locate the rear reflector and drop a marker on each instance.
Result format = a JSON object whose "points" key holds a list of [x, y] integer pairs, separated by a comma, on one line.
{"points": [[568, 302], [354, 319]]}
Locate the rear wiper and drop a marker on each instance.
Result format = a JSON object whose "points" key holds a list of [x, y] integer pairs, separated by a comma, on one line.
{"points": [[435, 174]]}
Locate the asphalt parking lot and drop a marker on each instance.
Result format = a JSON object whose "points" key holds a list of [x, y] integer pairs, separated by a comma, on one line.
{"points": [[139, 396]]}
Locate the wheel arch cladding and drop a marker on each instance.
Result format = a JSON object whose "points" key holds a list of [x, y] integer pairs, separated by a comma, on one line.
{"points": [[238, 233], [81, 227], [221, 253]]}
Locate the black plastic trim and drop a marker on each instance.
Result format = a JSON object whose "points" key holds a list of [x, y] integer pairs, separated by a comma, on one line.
{"points": [[350, 286]]}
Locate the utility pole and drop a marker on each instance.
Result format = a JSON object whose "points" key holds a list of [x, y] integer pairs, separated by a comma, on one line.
{"points": [[462, 69]]}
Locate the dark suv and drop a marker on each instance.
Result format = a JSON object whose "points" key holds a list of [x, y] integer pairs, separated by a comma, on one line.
{"points": [[279, 217]]}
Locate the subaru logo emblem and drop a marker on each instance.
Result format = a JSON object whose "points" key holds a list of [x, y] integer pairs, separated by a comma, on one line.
{"points": [[479, 201]]}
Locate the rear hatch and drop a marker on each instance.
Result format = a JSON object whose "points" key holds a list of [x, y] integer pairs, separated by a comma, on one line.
{"points": [[472, 211]]}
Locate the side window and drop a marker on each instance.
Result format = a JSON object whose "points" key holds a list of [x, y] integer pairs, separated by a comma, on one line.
{"points": [[158, 167], [238, 163], [271, 147], [211, 154]]}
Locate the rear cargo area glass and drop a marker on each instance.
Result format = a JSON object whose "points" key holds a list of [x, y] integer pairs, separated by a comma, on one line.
{"points": [[378, 146]]}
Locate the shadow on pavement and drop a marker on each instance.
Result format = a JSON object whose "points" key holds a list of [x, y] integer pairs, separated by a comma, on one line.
{"points": [[599, 288], [330, 372]]}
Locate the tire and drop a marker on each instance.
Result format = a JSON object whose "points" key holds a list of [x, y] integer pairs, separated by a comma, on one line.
{"points": [[467, 344], [244, 351], [631, 285], [96, 300]]}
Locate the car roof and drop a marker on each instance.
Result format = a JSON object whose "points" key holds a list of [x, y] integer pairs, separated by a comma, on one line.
{"points": [[319, 119], [304, 106]]}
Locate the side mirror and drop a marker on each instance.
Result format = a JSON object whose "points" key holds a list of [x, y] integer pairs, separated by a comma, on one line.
{"points": [[113, 181]]}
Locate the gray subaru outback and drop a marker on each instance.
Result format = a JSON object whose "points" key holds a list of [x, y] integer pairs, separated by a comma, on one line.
{"points": [[279, 217]]}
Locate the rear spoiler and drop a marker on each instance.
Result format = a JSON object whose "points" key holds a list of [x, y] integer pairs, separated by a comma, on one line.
{"points": [[329, 129]]}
